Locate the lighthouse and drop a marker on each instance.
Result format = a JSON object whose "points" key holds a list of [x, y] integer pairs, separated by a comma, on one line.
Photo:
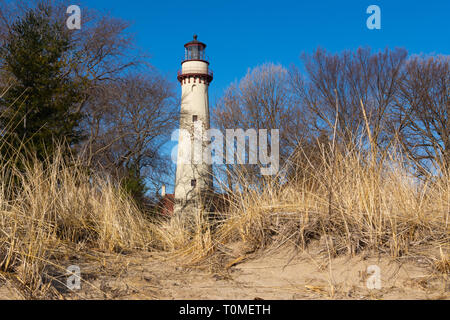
{"points": [[193, 182]]}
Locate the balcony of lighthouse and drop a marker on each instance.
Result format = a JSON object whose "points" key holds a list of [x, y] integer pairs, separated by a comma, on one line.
{"points": [[195, 69]]}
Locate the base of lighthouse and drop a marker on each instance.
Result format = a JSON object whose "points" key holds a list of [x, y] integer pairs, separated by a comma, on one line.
{"points": [[193, 197]]}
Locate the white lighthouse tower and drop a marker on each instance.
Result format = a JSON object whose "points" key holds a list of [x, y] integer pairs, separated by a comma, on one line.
{"points": [[194, 176]]}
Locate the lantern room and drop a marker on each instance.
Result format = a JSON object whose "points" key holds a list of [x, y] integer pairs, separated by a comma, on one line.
{"points": [[195, 50], [195, 65]]}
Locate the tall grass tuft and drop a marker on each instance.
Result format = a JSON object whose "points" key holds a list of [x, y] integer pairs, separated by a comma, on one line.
{"points": [[50, 209]]}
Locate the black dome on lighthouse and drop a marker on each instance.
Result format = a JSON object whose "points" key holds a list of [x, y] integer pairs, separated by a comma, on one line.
{"points": [[195, 42]]}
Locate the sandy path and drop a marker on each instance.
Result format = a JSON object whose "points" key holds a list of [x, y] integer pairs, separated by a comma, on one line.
{"points": [[278, 275], [271, 277]]}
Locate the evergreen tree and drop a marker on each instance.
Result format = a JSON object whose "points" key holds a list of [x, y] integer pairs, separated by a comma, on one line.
{"points": [[39, 110], [133, 183]]}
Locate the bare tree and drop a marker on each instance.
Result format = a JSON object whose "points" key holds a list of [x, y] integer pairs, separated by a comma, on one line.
{"points": [[423, 111], [346, 86], [128, 124], [101, 50], [261, 100]]}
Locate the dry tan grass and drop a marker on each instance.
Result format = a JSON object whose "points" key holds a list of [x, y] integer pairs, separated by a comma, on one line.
{"points": [[367, 202], [57, 210], [371, 206], [350, 200]]}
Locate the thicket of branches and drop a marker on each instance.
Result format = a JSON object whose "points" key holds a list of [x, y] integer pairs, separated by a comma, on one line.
{"points": [[338, 99]]}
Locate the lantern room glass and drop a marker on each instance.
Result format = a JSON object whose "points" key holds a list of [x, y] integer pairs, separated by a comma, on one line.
{"points": [[195, 52]]}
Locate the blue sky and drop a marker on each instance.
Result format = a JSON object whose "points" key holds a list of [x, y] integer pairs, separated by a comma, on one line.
{"points": [[242, 34]]}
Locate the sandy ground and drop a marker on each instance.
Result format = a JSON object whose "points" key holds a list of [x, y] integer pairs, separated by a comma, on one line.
{"points": [[281, 274]]}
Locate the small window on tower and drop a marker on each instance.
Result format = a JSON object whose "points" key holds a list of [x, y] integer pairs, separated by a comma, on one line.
{"points": [[193, 183], [194, 118]]}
